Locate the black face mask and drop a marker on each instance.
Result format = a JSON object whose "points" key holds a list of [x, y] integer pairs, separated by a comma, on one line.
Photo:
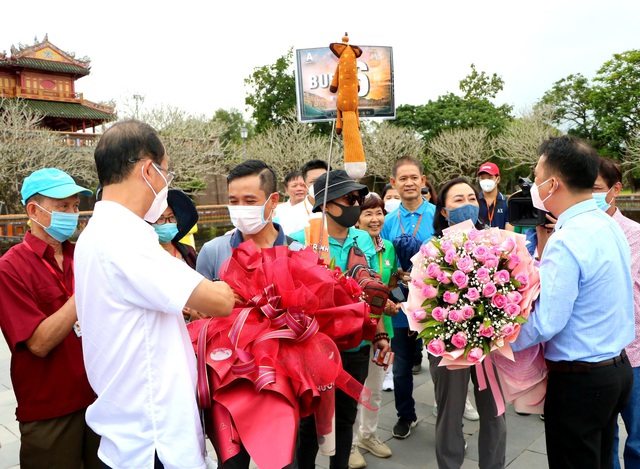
{"points": [[349, 216]]}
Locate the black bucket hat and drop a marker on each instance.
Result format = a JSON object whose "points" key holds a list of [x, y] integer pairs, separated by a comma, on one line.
{"points": [[339, 184], [185, 211]]}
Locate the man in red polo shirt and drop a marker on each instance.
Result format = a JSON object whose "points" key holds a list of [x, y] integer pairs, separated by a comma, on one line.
{"points": [[38, 321]]}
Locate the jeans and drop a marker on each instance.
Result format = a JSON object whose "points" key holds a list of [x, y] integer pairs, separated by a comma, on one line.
{"points": [[404, 345], [357, 365], [631, 417]]}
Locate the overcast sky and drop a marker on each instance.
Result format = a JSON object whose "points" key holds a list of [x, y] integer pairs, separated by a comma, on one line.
{"points": [[195, 55]]}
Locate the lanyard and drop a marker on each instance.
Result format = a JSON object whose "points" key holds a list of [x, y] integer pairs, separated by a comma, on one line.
{"points": [[54, 273], [402, 227], [492, 212]]}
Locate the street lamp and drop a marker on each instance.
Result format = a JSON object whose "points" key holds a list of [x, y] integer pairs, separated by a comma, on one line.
{"points": [[244, 133]]}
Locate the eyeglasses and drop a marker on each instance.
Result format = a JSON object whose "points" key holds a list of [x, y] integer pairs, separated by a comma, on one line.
{"points": [[170, 174], [169, 219], [353, 198]]}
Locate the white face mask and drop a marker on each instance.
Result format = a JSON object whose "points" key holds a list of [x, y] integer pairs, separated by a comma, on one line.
{"points": [[249, 219], [312, 193], [159, 204], [535, 196], [391, 204], [487, 185]]}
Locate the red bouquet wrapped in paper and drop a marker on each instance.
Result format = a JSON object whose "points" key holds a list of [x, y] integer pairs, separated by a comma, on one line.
{"points": [[276, 357]]}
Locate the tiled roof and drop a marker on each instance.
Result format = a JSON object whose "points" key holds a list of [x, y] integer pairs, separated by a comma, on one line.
{"points": [[44, 65], [69, 110]]}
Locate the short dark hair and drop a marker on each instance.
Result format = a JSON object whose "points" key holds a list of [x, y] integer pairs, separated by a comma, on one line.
{"points": [[439, 221], [311, 165], [372, 200], [610, 171], [431, 190], [122, 146], [573, 159], [407, 160], [386, 189], [267, 175], [291, 176]]}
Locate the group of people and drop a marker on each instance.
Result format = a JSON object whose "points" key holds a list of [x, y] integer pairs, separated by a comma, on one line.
{"points": [[105, 373]]}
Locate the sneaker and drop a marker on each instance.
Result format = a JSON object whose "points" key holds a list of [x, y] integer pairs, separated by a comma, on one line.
{"points": [[542, 417], [387, 384], [375, 446], [356, 461], [470, 413], [523, 414], [416, 369], [402, 428], [435, 409]]}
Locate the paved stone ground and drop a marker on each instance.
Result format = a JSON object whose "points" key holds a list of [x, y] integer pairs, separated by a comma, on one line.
{"points": [[525, 434]]}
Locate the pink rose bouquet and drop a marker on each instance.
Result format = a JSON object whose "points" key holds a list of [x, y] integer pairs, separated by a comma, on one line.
{"points": [[473, 288]]}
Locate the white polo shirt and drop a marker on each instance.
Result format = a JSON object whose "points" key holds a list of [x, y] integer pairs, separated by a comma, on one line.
{"points": [[129, 295]]}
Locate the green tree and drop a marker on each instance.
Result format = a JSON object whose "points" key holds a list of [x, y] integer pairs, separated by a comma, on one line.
{"points": [[234, 121], [451, 112], [616, 99], [480, 85], [273, 92]]}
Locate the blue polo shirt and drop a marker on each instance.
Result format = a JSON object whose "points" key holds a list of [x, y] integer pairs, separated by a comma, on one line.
{"points": [[402, 221], [499, 209]]}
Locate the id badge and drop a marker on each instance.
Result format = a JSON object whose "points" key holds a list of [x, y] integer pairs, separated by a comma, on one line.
{"points": [[77, 330]]}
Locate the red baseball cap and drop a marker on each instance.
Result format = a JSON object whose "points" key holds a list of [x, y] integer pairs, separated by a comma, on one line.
{"points": [[490, 168]]}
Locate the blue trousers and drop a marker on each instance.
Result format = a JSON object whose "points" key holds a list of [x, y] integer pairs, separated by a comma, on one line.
{"points": [[631, 417], [403, 345]]}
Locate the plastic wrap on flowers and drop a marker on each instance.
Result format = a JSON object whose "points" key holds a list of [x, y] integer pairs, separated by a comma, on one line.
{"points": [[273, 359], [470, 291]]}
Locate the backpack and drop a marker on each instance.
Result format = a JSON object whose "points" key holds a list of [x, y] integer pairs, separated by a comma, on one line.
{"points": [[376, 293]]}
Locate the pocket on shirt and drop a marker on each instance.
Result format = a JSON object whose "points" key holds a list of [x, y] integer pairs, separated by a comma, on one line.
{"points": [[47, 295]]}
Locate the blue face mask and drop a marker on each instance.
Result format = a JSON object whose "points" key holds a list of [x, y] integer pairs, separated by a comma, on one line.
{"points": [[601, 200], [62, 226], [463, 213], [166, 232]]}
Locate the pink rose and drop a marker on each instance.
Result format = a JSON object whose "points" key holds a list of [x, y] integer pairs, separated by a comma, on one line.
{"points": [[449, 256], [469, 245], [489, 290], [483, 274], [465, 264], [472, 294], [475, 355], [436, 347], [433, 270], [501, 277], [439, 314], [459, 340], [512, 310], [429, 291], [514, 297], [499, 301], [429, 250], [455, 316], [508, 245], [450, 297], [514, 260], [447, 246], [524, 281], [467, 312], [418, 314], [507, 330], [443, 278], [460, 279], [491, 262], [474, 235], [484, 331], [495, 238], [480, 252]]}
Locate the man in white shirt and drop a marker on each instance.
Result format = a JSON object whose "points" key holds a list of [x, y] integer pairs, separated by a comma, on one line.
{"points": [[130, 294]]}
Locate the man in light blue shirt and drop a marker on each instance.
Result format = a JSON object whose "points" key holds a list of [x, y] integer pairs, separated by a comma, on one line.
{"points": [[414, 217], [584, 314]]}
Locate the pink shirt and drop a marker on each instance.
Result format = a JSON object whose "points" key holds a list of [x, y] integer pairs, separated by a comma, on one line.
{"points": [[631, 230]]}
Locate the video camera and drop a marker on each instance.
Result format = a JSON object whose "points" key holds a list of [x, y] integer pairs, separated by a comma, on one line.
{"points": [[521, 209]]}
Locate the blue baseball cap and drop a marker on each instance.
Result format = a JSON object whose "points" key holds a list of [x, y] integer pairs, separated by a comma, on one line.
{"points": [[50, 182]]}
